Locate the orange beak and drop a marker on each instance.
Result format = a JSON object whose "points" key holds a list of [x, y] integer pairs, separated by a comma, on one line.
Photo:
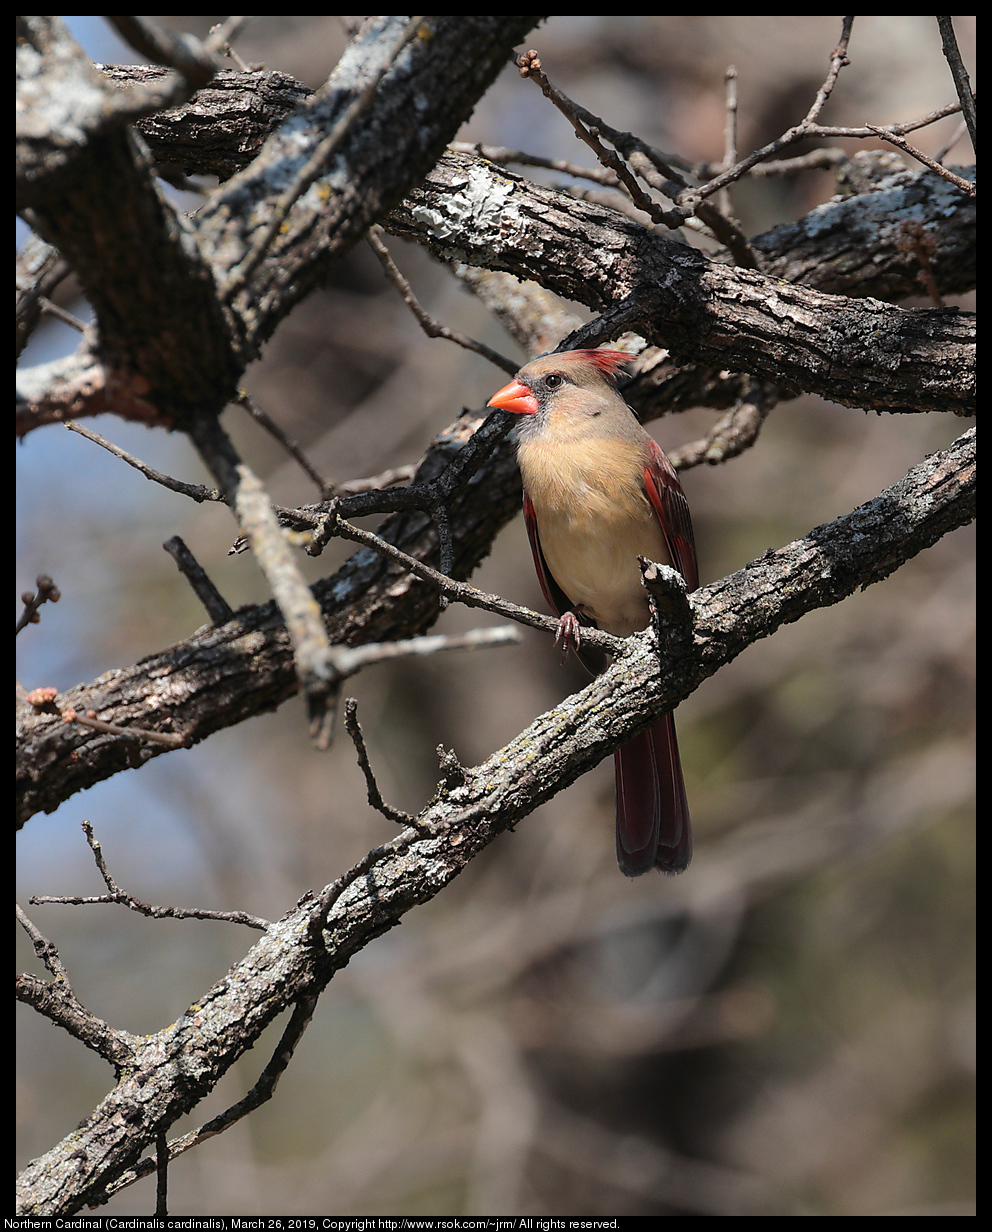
{"points": [[515, 397]]}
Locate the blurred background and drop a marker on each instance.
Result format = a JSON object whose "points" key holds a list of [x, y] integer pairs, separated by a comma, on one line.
{"points": [[787, 1028]]}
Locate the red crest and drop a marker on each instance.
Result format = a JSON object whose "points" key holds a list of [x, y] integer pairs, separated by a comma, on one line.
{"points": [[610, 362]]}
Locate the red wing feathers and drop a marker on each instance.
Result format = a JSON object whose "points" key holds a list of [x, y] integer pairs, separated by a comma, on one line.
{"points": [[553, 594], [672, 509], [593, 660]]}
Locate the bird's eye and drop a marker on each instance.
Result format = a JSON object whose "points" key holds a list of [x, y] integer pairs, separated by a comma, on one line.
{"points": [[553, 380]]}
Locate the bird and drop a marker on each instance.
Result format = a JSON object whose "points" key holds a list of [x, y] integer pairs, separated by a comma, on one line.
{"points": [[598, 493]]}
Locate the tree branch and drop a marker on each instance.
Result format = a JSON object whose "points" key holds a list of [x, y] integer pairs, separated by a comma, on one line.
{"points": [[57, 1001], [952, 54], [300, 953], [853, 244], [88, 184], [858, 353], [153, 279], [384, 150], [848, 246], [845, 246]]}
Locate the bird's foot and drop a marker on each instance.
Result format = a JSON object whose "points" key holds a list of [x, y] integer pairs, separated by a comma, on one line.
{"points": [[568, 634]]}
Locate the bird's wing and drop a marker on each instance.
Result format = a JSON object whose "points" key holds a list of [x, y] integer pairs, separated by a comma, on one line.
{"points": [[593, 660], [554, 596], [672, 509]]}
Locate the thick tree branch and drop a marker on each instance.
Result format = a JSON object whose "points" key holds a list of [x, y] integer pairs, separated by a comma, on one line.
{"points": [[350, 150], [172, 1070], [851, 245], [386, 148], [87, 181], [223, 126], [40, 268], [848, 246], [859, 353], [222, 675]]}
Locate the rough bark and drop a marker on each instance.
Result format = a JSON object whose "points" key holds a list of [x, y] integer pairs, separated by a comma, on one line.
{"points": [[172, 1070], [220, 676], [182, 311], [857, 352]]}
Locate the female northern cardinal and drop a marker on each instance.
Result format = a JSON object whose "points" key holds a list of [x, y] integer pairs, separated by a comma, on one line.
{"points": [[598, 493]]}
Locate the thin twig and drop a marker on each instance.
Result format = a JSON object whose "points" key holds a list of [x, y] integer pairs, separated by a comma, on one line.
{"points": [[261, 1092], [46, 950], [529, 65], [227, 49], [218, 608], [901, 143], [67, 318], [195, 491], [823, 158], [729, 132], [385, 479], [463, 592], [503, 156], [589, 127], [57, 1001], [354, 730], [826, 158], [293, 448], [303, 520], [300, 610], [89, 719], [116, 895], [907, 126], [838, 60], [952, 54], [351, 659], [733, 433], [47, 592], [431, 497], [804, 129], [959, 131], [431, 327]]}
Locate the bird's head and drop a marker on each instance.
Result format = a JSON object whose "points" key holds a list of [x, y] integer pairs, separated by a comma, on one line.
{"points": [[568, 386]]}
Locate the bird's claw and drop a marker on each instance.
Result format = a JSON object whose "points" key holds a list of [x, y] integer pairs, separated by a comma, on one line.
{"points": [[568, 634]]}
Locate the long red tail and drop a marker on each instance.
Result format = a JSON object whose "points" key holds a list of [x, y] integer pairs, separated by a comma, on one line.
{"points": [[653, 827]]}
